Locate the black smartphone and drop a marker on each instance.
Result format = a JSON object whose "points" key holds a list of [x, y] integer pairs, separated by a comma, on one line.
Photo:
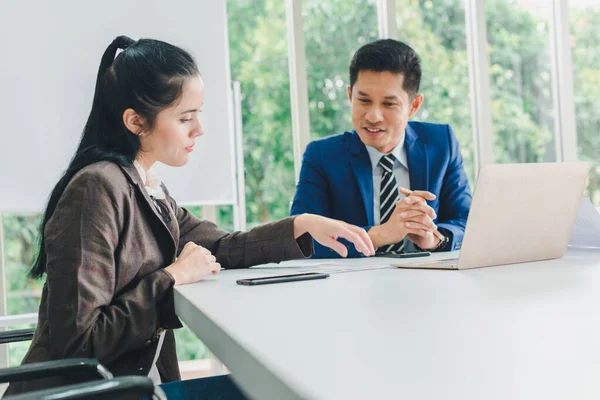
{"points": [[282, 278], [405, 255]]}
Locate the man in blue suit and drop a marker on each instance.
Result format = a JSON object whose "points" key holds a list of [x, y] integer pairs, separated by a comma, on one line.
{"points": [[403, 182]]}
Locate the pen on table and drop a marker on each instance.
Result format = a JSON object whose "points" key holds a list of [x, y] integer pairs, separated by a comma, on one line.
{"points": [[435, 232]]}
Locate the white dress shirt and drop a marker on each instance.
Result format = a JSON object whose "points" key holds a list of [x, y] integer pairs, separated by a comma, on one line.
{"points": [[400, 172], [151, 181]]}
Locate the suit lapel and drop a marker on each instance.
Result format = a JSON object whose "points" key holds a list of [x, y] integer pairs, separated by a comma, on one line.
{"points": [[418, 165], [171, 228], [361, 165]]}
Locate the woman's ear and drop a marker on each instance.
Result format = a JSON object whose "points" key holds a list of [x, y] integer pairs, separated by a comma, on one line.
{"points": [[133, 122]]}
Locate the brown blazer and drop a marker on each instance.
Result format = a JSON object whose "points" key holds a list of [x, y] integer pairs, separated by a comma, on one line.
{"points": [[107, 295]]}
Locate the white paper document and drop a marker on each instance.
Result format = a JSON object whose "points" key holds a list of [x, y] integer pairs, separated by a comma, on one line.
{"points": [[343, 265], [329, 267], [586, 232]]}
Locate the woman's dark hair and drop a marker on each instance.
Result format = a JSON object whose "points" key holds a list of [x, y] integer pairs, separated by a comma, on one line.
{"points": [[147, 76], [388, 55]]}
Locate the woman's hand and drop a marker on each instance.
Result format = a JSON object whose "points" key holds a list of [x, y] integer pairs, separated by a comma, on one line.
{"points": [[193, 264], [326, 231]]}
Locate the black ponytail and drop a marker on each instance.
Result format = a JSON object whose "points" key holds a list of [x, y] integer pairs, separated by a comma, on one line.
{"points": [[147, 76]]}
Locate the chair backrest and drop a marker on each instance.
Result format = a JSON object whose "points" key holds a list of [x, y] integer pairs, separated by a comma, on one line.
{"points": [[125, 387], [70, 366], [129, 387], [16, 335]]}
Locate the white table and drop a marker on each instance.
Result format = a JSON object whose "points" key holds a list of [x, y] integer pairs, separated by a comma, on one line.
{"points": [[524, 331]]}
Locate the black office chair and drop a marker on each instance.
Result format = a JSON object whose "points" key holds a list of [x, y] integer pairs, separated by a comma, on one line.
{"points": [[122, 388], [107, 387], [17, 335], [87, 368]]}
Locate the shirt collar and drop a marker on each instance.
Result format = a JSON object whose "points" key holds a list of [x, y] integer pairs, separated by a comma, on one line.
{"points": [[151, 181], [399, 152]]}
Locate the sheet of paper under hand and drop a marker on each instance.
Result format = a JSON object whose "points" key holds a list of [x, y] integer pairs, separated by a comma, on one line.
{"points": [[586, 232]]}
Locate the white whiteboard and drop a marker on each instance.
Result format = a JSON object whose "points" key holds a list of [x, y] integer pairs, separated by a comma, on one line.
{"points": [[50, 53]]}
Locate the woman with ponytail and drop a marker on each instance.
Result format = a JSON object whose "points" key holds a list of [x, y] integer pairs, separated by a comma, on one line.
{"points": [[113, 243]]}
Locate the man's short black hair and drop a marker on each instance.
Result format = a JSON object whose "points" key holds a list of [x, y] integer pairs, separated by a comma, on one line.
{"points": [[388, 55]]}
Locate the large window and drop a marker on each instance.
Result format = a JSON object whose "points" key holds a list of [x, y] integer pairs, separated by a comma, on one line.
{"points": [[436, 30], [521, 80], [259, 61], [333, 31], [584, 17], [23, 294]]}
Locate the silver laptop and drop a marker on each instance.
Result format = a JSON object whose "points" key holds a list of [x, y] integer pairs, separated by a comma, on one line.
{"points": [[520, 213]]}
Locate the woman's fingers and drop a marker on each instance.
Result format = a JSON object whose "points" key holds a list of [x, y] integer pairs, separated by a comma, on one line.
{"points": [[358, 240], [366, 239], [215, 268], [326, 231], [333, 244]]}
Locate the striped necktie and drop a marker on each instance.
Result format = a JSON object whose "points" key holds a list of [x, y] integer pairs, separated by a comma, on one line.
{"points": [[388, 195]]}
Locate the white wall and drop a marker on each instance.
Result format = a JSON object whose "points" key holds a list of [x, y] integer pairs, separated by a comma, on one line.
{"points": [[50, 56]]}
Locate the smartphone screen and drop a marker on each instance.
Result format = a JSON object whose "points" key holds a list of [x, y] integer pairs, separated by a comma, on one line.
{"points": [[281, 278]]}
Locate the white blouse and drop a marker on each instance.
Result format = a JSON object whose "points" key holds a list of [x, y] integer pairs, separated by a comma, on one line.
{"points": [[152, 182]]}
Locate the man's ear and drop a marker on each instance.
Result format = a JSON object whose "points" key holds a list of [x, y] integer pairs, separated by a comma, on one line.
{"points": [[415, 104], [133, 121], [349, 89]]}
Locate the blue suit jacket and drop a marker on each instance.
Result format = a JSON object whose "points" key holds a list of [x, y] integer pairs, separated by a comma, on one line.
{"points": [[336, 180]]}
